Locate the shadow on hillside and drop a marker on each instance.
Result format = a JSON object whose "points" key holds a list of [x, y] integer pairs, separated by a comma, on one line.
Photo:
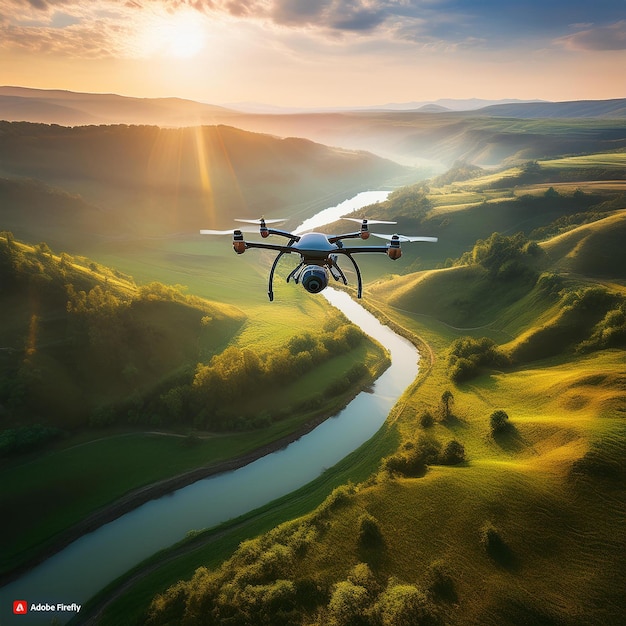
{"points": [[509, 439], [454, 422]]}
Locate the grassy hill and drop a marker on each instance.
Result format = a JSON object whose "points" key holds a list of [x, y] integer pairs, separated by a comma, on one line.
{"points": [[150, 181], [539, 199], [470, 521], [77, 335]]}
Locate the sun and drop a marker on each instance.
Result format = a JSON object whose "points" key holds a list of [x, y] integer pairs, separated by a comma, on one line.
{"points": [[179, 35]]}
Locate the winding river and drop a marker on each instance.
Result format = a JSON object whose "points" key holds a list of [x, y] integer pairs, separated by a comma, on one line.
{"points": [[87, 565]]}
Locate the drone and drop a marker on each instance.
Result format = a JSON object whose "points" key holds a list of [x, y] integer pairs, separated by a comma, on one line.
{"points": [[318, 252]]}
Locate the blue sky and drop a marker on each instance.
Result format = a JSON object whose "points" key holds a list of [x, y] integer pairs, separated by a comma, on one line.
{"points": [[330, 52]]}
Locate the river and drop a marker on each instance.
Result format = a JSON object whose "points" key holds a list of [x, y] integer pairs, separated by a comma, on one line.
{"points": [[83, 568]]}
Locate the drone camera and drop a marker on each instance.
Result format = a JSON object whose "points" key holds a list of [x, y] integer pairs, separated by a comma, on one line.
{"points": [[239, 245], [314, 278]]}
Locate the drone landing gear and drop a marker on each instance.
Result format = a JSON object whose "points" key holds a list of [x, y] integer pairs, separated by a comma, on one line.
{"points": [[359, 290], [270, 290], [335, 270]]}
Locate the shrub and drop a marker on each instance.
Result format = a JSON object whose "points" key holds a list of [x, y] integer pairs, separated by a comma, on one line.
{"points": [[415, 459], [404, 605], [439, 583], [348, 604], [426, 419], [369, 532], [499, 421], [467, 355], [26, 438], [494, 545], [453, 453]]}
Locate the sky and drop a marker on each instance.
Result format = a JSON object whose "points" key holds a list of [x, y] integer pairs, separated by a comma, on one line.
{"points": [[307, 53]]}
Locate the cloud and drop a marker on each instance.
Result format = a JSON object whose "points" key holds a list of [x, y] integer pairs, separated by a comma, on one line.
{"points": [[82, 29], [106, 27], [612, 37]]}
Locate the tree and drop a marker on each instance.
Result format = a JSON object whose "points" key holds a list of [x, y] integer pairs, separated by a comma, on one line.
{"points": [[404, 605], [453, 453], [369, 532], [348, 604], [499, 421], [446, 400]]}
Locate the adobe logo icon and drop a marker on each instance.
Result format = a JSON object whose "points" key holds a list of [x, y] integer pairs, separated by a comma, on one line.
{"points": [[20, 607]]}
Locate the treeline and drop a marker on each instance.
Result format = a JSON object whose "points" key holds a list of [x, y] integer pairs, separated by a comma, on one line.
{"points": [[589, 318], [26, 438], [216, 397]]}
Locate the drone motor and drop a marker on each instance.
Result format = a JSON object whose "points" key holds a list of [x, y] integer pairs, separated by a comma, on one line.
{"points": [[239, 245]]}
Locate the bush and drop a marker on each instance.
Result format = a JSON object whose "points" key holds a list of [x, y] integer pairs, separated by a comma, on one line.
{"points": [[404, 605], [348, 604], [439, 583], [499, 421], [467, 355], [369, 532], [426, 419], [453, 453], [494, 544], [415, 459], [26, 438]]}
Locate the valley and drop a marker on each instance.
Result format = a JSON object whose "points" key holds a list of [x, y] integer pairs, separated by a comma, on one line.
{"points": [[112, 327]]}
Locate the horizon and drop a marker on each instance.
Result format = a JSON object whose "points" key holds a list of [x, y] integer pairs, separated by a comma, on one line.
{"points": [[332, 54]]}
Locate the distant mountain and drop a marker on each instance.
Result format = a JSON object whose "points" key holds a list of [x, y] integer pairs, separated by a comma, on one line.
{"points": [[433, 108], [573, 109], [69, 108], [451, 104]]}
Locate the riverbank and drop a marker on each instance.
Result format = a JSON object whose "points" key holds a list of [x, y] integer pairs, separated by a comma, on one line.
{"points": [[127, 598], [142, 495]]}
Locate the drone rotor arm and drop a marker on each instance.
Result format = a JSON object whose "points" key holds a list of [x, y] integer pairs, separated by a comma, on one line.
{"points": [[360, 220], [270, 246], [355, 249], [283, 233], [336, 238]]}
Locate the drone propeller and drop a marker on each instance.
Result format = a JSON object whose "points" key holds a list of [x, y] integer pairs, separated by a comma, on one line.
{"points": [[227, 232], [404, 238], [261, 221], [216, 232], [359, 220]]}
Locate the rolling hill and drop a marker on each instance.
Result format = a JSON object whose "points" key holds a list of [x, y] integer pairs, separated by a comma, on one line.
{"points": [[147, 181], [522, 524], [77, 336], [68, 108], [489, 136]]}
